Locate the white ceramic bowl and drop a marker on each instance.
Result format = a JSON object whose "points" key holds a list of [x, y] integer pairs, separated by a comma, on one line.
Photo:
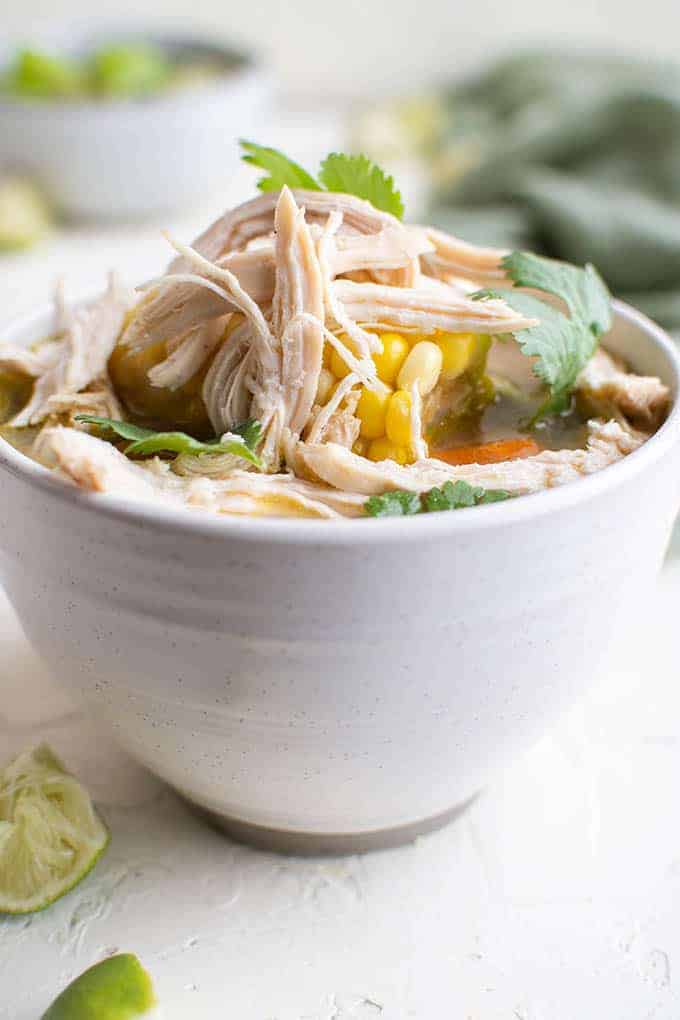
{"points": [[349, 681], [131, 159]]}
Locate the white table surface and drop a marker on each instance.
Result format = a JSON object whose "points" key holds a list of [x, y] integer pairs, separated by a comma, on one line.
{"points": [[556, 897]]}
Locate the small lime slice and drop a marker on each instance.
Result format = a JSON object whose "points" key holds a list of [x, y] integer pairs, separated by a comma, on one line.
{"points": [[50, 834], [24, 214], [116, 989]]}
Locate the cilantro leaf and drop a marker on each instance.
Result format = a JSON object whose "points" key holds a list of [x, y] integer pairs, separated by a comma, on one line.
{"points": [[451, 496], [460, 494], [280, 169], [145, 442], [350, 175], [250, 431], [393, 504], [582, 289], [562, 345], [180, 442], [493, 496], [124, 429], [358, 175]]}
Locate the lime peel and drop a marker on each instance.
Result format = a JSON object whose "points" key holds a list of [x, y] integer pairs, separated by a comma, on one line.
{"points": [[24, 214], [117, 988], [50, 834]]}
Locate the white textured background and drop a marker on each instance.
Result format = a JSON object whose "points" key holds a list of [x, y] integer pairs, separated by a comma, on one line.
{"points": [[557, 897], [354, 47]]}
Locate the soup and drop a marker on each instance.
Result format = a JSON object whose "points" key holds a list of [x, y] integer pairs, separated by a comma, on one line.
{"points": [[310, 354]]}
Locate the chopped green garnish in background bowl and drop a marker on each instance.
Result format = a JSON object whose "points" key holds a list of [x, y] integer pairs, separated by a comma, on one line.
{"points": [[121, 70], [43, 76], [130, 70]]}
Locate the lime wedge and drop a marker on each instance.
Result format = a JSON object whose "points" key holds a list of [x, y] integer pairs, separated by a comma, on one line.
{"points": [[24, 214], [116, 989], [50, 834]]}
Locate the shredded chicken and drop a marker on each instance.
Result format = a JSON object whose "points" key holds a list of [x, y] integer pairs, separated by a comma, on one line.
{"points": [[297, 311], [336, 421], [189, 355], [226, 393], [426, 309], [254, 317], [607, 387], [96, 465], [364, 344], [98, 399], [343, 426], [418, 444], [339, 467], [265, 353], [70, 364], [33, 364], [452, 257], [255, 219], [175, 304]]}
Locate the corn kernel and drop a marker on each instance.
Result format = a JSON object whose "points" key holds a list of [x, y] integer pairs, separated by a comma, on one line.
{"points": [[398, 418], [371, 411], [338, 366], [457, 350], [383, 449], [327, 355], [422, 366], [325, 385], [414, 338], [389, 361], [361, 447]]}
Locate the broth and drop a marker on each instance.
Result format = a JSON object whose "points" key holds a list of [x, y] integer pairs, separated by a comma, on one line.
{"points": [[486, 408]]}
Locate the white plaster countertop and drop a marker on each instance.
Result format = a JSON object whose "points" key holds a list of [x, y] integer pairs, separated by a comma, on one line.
{"points": [[555, 897]]}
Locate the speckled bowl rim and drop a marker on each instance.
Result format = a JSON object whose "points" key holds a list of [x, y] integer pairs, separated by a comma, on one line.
{"points": [[370, 530], [58, 34]]}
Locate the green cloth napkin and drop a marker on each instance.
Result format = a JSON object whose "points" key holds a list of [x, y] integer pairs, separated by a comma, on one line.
{"points": [[577, 156]]}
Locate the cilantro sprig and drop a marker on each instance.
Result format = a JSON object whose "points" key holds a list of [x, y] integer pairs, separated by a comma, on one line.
{"points": [[350, 175], [145, 442], [561, 344], [451, 496], [280, 169]]}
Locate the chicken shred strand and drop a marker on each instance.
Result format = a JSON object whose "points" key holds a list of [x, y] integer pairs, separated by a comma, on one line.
{"points": [[71, 363]]}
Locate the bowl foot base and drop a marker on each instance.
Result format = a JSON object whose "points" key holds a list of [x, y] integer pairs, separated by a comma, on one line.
{"points": [[310, 844]]}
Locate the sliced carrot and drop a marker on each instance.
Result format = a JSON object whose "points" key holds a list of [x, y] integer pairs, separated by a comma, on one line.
{"points": [[489, 453]]}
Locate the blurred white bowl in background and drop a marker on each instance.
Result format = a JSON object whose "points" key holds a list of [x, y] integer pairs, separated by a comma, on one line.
{"points": [[126, 159]]}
